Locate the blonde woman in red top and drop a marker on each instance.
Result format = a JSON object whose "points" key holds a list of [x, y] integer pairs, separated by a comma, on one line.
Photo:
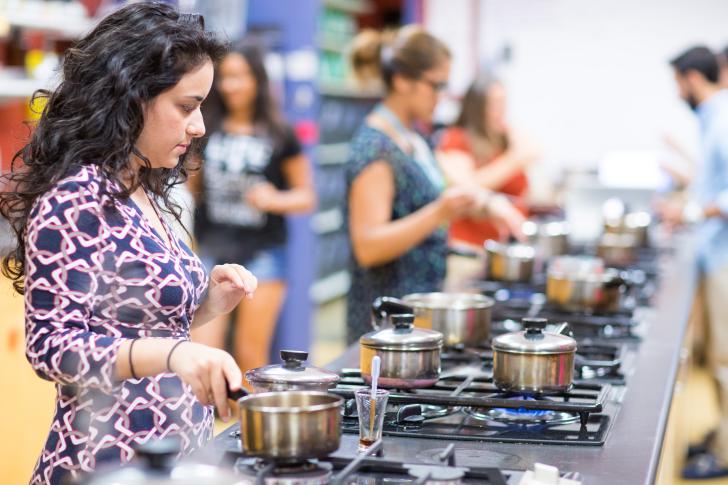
{"points": [[482, 149]]}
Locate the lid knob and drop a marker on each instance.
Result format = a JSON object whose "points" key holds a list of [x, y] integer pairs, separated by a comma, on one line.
{"points": [[159, 454], [534, 326], [403, 321], [293, 358]]}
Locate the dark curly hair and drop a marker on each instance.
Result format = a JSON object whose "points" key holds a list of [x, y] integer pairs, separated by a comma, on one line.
{"points": [[96, 114]]}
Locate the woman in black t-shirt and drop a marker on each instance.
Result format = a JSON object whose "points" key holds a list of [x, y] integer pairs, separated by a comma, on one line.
{"points": [[253, 174]]}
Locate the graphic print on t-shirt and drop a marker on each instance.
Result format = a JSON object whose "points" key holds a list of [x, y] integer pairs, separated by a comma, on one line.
{"points": [[234, 164]]}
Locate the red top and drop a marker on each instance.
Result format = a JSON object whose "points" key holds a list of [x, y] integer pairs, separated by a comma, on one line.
{"points": [[477, 231]]}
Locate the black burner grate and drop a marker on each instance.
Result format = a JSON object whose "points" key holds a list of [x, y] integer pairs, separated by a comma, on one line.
{"points": [[457, 396]]}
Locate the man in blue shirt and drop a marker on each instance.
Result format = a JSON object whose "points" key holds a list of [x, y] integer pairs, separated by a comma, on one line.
{"points": [[697, 75]]}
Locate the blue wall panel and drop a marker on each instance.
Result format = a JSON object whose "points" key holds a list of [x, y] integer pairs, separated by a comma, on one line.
{"points": [[296, 20]]}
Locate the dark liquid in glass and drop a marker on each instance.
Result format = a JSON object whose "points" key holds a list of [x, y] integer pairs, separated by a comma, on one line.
{"points": [[366, 442]]}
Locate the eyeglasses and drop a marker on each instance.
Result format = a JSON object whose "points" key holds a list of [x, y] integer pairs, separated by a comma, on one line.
{"points": [[437, 86]]}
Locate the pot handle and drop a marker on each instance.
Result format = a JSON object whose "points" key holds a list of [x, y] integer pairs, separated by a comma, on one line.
{"points": [[465, 252], [621, 279], [236, 395], [385, 306], [563, 329], [603, 364]]}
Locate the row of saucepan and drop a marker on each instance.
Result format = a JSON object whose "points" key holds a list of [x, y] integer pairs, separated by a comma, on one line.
{"points": [[621, 239], [531, 361], [291, 415]]}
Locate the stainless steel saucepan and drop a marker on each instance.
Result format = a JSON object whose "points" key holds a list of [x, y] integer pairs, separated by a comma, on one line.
{"points": [[462, 318], [577, 283], [509, 262], [635, 224], [410, 356], [548, 238], [534, 361], [289, 424]]}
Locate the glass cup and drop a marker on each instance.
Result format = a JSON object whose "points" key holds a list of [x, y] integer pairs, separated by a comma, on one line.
{"points": [[371, 415]]}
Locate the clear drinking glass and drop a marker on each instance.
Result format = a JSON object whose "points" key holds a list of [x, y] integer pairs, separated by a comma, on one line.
{"points": [[371, 415]]}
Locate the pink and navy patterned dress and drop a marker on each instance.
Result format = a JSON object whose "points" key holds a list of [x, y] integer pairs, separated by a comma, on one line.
{"points": [[97, 274]]}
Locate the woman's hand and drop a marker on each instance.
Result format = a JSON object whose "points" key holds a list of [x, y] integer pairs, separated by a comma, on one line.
{"points": [[457, 201], [263, 197], [506, 214], [209, 371], [523, 152], [228, 284]]}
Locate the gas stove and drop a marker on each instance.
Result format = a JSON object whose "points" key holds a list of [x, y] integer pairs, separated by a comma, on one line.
{"points": [[365, 469], [465, 405], [390, 460]]}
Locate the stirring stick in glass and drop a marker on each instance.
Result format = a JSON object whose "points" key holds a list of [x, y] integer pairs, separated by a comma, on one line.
{"points": [[376, 362]]}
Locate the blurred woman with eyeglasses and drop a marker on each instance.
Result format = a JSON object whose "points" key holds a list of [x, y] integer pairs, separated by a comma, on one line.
{"points": [[399, 202]]}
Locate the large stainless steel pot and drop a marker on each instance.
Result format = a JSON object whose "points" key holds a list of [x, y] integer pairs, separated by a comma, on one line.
{"points": [[509, 262], [462, 318], [548, 238], [292, 375], [289, 425], [410, 357], [533, 361], [582, 284]]}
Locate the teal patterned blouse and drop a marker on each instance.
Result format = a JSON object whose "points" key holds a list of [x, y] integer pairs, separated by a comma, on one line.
{"points": [[422, 268]]}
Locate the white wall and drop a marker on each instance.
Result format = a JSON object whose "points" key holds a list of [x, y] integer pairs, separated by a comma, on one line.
{"points": [[587, 77]]}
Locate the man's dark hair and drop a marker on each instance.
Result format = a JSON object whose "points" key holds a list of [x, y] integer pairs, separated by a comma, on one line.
{"points": [[699, 59]]}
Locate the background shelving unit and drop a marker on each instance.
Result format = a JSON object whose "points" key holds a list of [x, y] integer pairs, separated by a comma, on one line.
{"points": [[342, 107], [54, 21]]}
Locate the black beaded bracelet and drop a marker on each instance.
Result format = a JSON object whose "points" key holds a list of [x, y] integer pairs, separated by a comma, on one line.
{"points": [[131, 362], [169, 356]]}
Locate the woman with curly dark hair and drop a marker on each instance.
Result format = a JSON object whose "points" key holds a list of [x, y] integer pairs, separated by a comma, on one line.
{"points": [[110, 291]]}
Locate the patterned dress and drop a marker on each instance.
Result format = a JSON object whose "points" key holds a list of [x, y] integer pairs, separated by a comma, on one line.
{"points": [[422, 268], [98, 274]]}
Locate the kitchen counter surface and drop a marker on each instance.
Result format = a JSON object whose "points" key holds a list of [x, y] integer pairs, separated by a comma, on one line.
{"points": [[632, 451]]}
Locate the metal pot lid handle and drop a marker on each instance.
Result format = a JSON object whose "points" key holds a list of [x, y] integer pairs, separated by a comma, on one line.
{"points": [[403, 322], [387, 306], [534, 327], [294, 359]]}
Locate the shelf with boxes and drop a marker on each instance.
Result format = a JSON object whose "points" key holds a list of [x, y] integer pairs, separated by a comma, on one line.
{"points": [[339, 118], [54, 22]]}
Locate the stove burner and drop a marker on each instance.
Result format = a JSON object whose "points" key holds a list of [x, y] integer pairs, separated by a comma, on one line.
{"points": [[523, 416], [430, 411], [252, 470]]}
